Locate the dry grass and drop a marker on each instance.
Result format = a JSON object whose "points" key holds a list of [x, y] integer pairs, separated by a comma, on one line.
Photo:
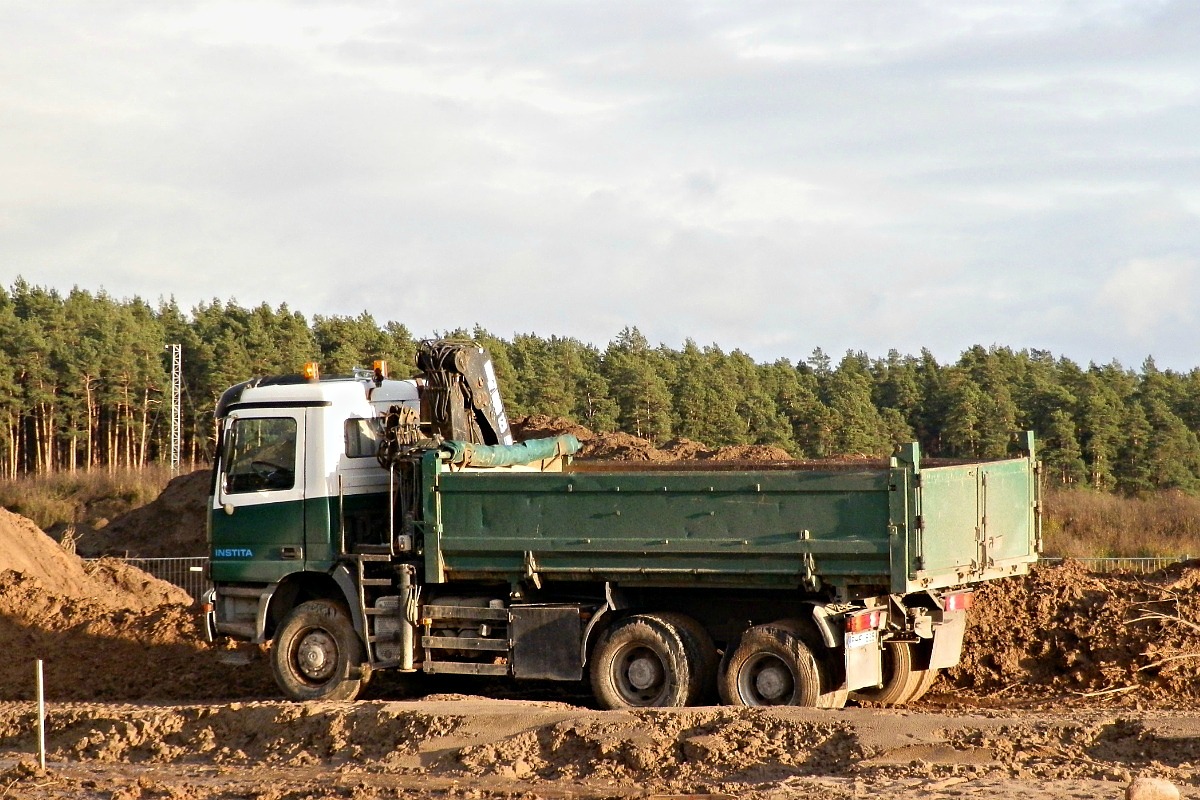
{"points": [[1084, 524], [88, 498]]}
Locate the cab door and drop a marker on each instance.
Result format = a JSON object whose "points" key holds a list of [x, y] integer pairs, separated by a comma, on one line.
{"points": [[256, 523]]}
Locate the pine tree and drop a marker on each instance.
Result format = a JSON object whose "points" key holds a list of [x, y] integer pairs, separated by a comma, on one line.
{"points": [[1062, 455], [636, 376], [847, 392], [794, 392], [964, 402]]}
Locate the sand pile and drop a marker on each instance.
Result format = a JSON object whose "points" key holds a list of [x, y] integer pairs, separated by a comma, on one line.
{"points": [[105, 630], [1065, 630], [626, 447], [30, 553], [171, 526]]}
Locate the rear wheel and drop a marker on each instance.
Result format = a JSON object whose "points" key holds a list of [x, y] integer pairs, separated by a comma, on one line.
{"points": [[830, 664], [832, 674], [316, 655], [701, 654], [642, 662], [928, 678], [771, 666], [900, 679]]}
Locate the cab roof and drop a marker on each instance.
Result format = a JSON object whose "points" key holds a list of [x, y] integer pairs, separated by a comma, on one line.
{"points": [[284, 391]]}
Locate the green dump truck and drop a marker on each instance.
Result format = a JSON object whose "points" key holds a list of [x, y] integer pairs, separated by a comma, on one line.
{"points": [[355, 538]]}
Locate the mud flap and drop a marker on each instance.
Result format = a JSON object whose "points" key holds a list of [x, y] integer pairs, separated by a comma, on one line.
{"points": [[948, 640], [545, 642], [864, 660]]}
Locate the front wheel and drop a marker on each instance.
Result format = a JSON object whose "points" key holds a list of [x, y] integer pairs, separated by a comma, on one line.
{"points": [[316, 655]]}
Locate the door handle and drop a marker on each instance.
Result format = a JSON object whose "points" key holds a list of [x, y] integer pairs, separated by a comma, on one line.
{"points": [[292, 553]]}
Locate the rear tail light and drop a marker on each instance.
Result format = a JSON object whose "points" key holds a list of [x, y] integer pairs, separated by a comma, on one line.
{"points": [[865, 620], [959, 601]]}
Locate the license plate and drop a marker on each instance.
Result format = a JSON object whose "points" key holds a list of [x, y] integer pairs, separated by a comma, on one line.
{"points": [[862, 639]]}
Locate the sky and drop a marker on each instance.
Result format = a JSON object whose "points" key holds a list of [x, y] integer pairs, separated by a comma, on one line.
{"points": [[763, 175]]}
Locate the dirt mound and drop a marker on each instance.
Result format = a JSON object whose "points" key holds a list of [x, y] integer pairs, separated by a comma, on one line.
{"points": [[171, 526], [542, 426], [1063, 629], [105, 630], [683, 449], [95, 651], [751, 452], [129, 587], [621, 447], [29, 552]]}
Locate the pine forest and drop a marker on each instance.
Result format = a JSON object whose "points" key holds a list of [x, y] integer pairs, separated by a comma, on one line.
{"points": [[85, 385]]}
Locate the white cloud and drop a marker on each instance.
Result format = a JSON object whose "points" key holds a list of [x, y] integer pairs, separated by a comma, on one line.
{"points": [[1152, 297], [763, 175]]}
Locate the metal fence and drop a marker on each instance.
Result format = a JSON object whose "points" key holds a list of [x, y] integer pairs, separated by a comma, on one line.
{"points": [[189, 574], [1138, 565]]}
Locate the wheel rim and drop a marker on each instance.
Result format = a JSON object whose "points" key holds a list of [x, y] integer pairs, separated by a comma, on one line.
{"points": [[639, 674], [316, 655], [766, 680]]}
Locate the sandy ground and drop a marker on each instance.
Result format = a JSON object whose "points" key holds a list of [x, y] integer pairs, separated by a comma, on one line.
{"points": [[457, 746]]}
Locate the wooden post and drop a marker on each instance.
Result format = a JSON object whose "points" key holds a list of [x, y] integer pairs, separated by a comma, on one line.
{"points": [[41, 702]]}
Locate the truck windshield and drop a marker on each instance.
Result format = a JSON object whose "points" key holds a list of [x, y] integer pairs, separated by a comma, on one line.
{"points": [[261, 454]]}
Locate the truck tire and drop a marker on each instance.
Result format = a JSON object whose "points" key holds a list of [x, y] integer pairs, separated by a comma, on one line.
{"points": [[701, 654], [316, 655], [900, 679], [928, 678], [771, 666], [830, 663], [642, 662]]}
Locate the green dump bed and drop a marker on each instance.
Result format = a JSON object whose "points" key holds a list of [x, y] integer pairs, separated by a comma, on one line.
{"points": [[894, 527]]}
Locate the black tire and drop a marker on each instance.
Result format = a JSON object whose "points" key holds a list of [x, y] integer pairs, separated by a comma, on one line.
{"points": [[830, 663], [642, 662], [723, 667], [771, 666], [316, 655], [834, 694], [900, 679], [701, 653]]}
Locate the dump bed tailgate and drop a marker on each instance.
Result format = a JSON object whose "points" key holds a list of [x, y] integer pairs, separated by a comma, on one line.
{"points": [[973, 522]]}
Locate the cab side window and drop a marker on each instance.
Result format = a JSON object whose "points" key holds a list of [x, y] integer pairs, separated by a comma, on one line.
{"points": [[260, 454], [363, 437]]}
